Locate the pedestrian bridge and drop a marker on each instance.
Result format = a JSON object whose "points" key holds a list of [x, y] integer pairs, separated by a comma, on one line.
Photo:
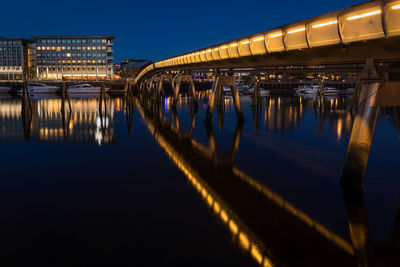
{"points": [[344, 36]]}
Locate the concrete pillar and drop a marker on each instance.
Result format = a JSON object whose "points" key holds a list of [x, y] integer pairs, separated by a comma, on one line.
{"points": [[211, 104], [361, 135]]}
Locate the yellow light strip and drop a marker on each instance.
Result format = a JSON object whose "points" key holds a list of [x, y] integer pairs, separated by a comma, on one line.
{"points": [[275, 35], [224, 47], [215, 49], [258, 39], [325, 24], [396, 7], [297, 30], [209, 50], [203, 52], [365, 15], [245, 42], [233, 45]]}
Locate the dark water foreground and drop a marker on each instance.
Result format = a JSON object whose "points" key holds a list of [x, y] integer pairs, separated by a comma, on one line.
{"points": [[142, 185]]}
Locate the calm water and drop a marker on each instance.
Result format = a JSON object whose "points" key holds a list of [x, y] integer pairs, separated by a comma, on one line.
{"points": [[136, 185]]}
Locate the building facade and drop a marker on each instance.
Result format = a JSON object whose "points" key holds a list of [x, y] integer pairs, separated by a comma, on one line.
{"points": [[129, 69], [74, 58], [16, 60]]}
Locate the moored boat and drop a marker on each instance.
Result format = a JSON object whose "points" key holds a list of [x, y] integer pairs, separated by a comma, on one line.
{"points": [[40, 88], [5, 89], [84, 88]]}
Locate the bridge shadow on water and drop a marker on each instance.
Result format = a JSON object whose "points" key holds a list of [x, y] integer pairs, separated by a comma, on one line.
{"points": [[265, 225]]}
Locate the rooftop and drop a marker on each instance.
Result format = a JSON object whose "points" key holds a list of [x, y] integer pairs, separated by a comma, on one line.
{"points": [[74, 37]]}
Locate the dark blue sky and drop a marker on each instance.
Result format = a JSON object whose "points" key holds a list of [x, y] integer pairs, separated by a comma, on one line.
{"points": [[157, 29]]}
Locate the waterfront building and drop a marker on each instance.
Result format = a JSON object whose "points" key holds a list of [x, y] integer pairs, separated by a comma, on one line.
{"points": [[74, 57], [16, 59], [129, 69]]}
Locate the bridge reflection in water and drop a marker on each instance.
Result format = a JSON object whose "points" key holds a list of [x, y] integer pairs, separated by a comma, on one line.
{"points": [[49, 122], [269, 228]]}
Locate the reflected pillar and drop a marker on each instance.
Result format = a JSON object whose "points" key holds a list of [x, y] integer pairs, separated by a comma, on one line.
{"points": [[358, 224], [396, 111]]}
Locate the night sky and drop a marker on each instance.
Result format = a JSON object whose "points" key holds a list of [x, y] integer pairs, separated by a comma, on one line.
{"points": [[157, 29]]}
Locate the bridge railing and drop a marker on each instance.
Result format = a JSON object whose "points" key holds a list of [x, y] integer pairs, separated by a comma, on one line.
{"points": [[367, 21]]}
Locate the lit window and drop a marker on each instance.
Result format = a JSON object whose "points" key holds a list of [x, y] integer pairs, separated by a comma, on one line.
{"points": [[48, 48], [68, 54], [89, 48], [38, 48], [63, 48], [58, 48], [53, 48], [93, 48]]}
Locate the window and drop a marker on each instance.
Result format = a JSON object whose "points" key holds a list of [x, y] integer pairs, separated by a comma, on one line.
{"points": [[58, 49], [89, 48], [68, 54], [38, 48], [62, 47]]}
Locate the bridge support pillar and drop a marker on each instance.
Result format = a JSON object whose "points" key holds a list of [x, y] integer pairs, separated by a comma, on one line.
{"points": [[363, 128], [218, 96], [257, 94], [177, 87]]}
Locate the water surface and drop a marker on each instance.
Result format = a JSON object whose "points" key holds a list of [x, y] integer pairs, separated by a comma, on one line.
{"points": [[144, 185]]}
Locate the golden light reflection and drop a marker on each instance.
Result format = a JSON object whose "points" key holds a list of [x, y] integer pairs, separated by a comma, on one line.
{"points": [[241, 234], [49, 123]]}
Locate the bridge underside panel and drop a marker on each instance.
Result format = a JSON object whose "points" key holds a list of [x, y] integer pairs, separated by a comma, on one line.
{"points": [[381, 50]]}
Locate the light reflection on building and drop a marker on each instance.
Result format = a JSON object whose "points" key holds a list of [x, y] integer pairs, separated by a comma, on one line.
{"points": [[83, 125]]}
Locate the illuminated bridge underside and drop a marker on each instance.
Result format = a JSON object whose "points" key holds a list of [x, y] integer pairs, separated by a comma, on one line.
{"points": [[348, 36], [283, 234]]}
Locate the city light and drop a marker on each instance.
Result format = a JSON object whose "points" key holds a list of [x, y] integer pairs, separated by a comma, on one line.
{"points": [[325, 24], [275, 35], [297, 30], [365, 15], [245, 42], [396, 7], [224, 47], [258, 39], [233, 45]]}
